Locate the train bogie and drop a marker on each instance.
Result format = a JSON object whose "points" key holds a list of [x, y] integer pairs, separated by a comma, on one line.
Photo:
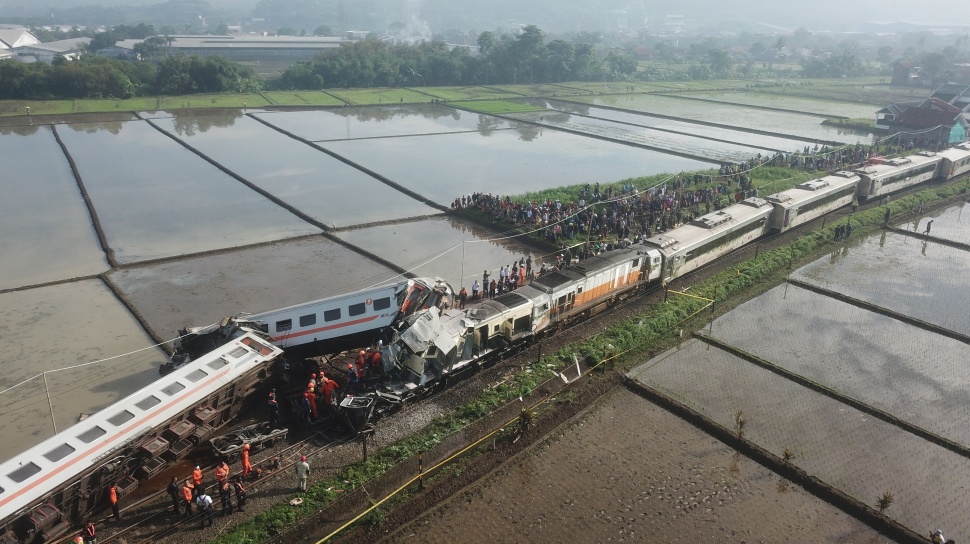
{"points": [[894, 175], [811, 199]]}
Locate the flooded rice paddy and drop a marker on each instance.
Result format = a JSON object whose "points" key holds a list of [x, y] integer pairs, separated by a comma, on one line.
{"points": [[202, 290], [307, 179], [57, 327], [47, 230], [949, 224], [504, 161], [778, 122], [379, 122], [925, 280], [903, 370], [827, 108], [443, 247], [157, 199], [691, 146], [740, 137]]}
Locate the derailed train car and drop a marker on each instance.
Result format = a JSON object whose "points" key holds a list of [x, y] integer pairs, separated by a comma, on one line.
{"points": [[812, 199], [54, 485]]}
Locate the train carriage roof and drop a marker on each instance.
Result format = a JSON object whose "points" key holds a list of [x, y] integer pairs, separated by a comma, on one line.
{"points": [[711, 226], [551, 282], [814, 189], [489, 308]]}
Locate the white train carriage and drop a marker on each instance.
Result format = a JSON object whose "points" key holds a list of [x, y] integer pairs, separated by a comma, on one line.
{"points": [[956, 161], [812, 199], [55, 483], [328, 318], [710, 236], [897, 174]]}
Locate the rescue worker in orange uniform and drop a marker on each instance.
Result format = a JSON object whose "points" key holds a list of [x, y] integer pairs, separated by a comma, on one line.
{"points": [[312, 398], [313, 382], [113, 497], [247, 468], [90, 533], [188, 492], [375, 366], [328, 387], [222, 473], [197, 477], [361, 359]]}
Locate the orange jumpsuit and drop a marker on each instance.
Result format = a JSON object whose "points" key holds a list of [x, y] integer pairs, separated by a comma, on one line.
{"points": [[187, 492], [222, 472], [246, 467], [310, 396], [197, 476]]}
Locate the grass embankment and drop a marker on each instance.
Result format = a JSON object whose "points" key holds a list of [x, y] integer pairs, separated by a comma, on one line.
{"points": [[496, 107], [634, 339], [301, 98], [469, 93]]}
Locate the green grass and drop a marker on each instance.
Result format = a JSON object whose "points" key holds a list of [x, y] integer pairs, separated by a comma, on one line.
{"points": [[301, 98], [384, 95], [544, 90], [468, 93], [37, 107], [212, 101], [497, 107], [106, 105]]}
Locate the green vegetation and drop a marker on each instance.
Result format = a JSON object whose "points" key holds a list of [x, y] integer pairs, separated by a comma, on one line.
{"points": [[369, 97], [301, 98], [468, 93], [212, 101], [497, 107], [103, 105]]}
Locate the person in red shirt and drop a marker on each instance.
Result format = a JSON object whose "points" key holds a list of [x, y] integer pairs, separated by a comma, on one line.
{"points": [[113, 498], [247, 468]]}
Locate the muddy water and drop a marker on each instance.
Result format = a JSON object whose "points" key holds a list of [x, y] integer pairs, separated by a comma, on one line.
{"points": [[925, 280], [203, 290], [379, 122], [157, 199], [848, 449], [412, 245], [805, 126], [678, 143], [509, 161], [311, 181], [57, 327], [909, 372], [47, 231], [645, 120]]}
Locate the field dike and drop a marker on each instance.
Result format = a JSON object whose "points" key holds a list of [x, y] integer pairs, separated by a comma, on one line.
{"points": [[624, 344]]}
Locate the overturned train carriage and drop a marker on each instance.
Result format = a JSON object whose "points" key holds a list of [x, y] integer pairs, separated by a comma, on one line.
{"points": [[56, 484]]}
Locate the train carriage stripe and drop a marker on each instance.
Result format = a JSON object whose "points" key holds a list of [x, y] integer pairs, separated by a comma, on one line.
{"points": [[326, 328]]}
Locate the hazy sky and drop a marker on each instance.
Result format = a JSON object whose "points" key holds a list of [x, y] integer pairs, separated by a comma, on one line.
{"points": [[812, 14]]}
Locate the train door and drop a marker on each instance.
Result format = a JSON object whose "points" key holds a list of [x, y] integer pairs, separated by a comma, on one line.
{"points": [[483, 337]]}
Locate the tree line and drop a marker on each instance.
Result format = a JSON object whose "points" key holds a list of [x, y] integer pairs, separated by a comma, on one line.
{"points": [[99, 77], [505, 59]]}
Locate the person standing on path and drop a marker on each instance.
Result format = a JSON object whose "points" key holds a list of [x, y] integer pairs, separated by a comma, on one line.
{"points": [[204, 502], [240, 491], [928, 227], [113, 497], [302, 473], [188, 493], [90, 533], [247, 467], [174, 492]]}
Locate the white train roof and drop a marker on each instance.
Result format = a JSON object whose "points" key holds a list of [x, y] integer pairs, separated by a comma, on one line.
{"points": [[711, 226], [30, 477], [814, 189], [957, 152], [898, 164]]}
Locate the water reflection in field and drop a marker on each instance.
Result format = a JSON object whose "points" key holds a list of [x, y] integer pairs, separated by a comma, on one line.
{"points": [[646, 120], [895, 271], [509, 161], [47, 231], [665, 141], [795, 124], [376, 122], [308, 179], [157, 199], [60, 326], [434, 248], [202, 290]]}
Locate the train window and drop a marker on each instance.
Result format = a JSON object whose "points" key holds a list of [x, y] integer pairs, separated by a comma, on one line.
{"points": [[307, 320], [382, 303], [284, 325], [579, 290], [217, 364], [264, 327], [196, 375], [148, 402], [331, 315], [121, 418], [356, 309], [172, 389], [91, 434], [59, 453], [636, 262], [239, 352], [24, 472]]}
